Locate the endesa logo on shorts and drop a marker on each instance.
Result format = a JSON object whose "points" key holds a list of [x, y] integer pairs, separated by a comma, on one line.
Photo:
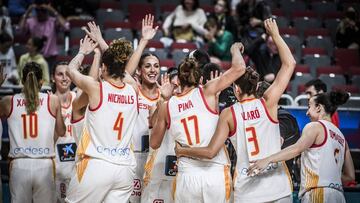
{"points": [[137, 188], [113, 151], [66, 151], [31, 150]]}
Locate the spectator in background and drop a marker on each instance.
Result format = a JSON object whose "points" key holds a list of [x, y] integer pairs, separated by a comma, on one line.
{"points": [[34, 46], [5, 21], [18, 7], [263, 52], [44, 25], [317, 86], [223, 17], [347, 33], [219, 40], [186, 22], [7, 58]]}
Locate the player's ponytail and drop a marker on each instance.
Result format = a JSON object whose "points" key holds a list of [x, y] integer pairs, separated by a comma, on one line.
{"points": [[248, 81], [32, 76], [189, 74], [332, 100]]}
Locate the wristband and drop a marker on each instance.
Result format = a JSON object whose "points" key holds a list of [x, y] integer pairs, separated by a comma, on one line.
{"points": [[80, 52]]}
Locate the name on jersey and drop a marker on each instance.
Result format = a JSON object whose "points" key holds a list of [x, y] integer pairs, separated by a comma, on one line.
{"points": [[121, 99], [185, 106], [144, 106], [337, 137], [22, 102], [250, 115]]}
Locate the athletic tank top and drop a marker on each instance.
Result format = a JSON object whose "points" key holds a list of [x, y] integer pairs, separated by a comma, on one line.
{"points": [[31, 135], [257, 136], [142, 122], [321, 165], [193, 123], [77, 127], [108, 128]]}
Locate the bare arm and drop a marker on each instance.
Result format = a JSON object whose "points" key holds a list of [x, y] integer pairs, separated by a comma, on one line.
{"points": [[25, 16], [58, 16], [310, 132], [147, 33], [224, 127], [237, 69], [348, 174], [274, 92], [82, 99], [60, 127], [5, 106], [159, 126]]}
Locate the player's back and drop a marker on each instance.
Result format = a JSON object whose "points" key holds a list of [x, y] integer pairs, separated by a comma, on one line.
{"points": [[257, 136], [31, 135], [193, 123], [108, 128], [321, 165]]}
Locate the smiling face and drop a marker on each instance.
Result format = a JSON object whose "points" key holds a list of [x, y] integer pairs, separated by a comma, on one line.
{"points": [[314, 109], [150, 70], [62, 81]]}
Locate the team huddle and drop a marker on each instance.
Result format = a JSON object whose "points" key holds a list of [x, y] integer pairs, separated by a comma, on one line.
{"points": [[140, 140]]}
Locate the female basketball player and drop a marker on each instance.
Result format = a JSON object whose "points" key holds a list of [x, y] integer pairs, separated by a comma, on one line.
{"points": [[185, 117], [254, 131], [33, 119], [65, 146], [325, 156], [110, 119]]}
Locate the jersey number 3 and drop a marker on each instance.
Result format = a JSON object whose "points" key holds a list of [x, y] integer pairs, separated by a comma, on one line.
{"points": [[185, 122], [253, 138], [30, 125]]}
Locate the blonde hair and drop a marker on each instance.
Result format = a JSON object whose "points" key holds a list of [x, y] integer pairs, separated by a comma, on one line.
{"points": [[32, 75]]}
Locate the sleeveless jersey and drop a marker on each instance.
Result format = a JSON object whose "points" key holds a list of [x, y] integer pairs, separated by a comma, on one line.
{"points": [[155, 167], [257, 136], [65, 146], [31, 135], [77, 127], [108, 128], [142, 122], [321, 165], [193, 123]]}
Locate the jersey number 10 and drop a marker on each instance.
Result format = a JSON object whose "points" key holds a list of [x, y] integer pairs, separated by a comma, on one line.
{"points": [[30, 125]]}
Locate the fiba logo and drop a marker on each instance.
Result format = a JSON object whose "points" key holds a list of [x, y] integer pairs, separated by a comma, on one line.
{"points": [[158, 201]]}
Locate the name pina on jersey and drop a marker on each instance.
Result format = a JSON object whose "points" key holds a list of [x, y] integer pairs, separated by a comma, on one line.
{"points": [[185, 106]]}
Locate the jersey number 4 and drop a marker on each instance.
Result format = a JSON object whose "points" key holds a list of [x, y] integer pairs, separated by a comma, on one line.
{"points": [[119, 125], [185, 122], [30, 125]]}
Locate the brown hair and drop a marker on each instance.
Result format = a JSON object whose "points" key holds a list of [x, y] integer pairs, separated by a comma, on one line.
{"points": [[331, 100], [116, 57], [248, 81], [32, 75], [189, 73]]}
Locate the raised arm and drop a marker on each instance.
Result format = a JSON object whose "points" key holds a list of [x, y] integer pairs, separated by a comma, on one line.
{"points": [[147, 33], [159, 125], [273, 93], [348, 174], [95, 34], [237, 69], [224, 127], [309, 135], [86, 83], [27, 13], [82, 99], [55, 107]]}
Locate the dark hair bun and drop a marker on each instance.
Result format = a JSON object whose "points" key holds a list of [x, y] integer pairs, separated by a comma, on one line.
{"points": [[338, 97]]}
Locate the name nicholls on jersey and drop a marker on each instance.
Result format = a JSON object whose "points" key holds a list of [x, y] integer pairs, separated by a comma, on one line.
{"points": [[337, 137], [121, 99]]}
